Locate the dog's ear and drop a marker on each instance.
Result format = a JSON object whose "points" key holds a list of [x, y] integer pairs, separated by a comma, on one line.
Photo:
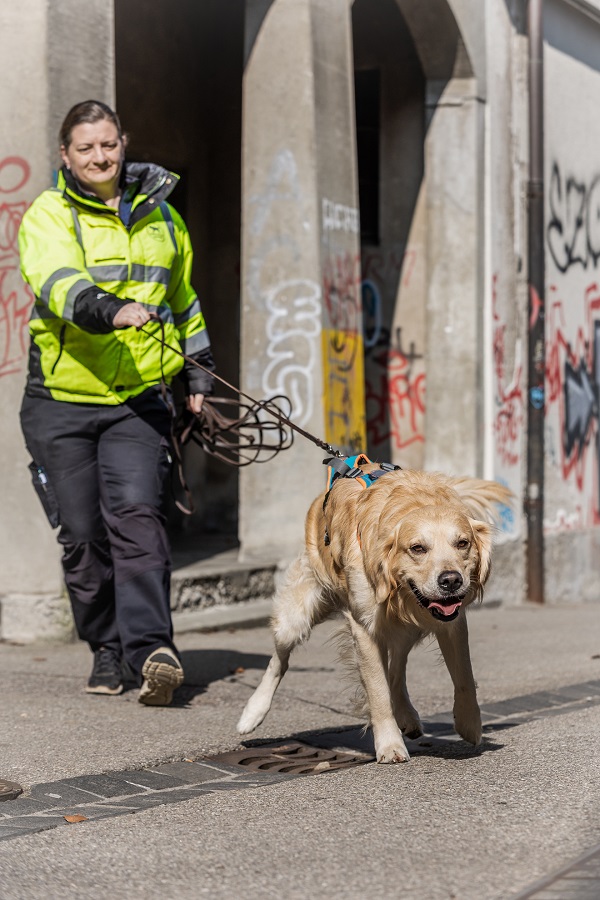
{"points": [[378, 563], [482, 532]]}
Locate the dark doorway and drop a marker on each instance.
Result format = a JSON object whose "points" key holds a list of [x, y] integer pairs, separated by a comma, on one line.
{"points": [[179, 69], [390, 127]]}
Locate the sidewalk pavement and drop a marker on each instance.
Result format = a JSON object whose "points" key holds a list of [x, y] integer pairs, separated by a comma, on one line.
{"points": [[452, 823]]}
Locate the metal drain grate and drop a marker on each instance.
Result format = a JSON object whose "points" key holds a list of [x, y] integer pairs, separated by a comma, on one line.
{"points": [[292, 758], [9, 790]]}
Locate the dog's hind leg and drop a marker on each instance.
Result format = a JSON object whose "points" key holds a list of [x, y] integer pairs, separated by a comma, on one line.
{"points": [[389, 746], [401, 643], [453, 639], [299, 605]]}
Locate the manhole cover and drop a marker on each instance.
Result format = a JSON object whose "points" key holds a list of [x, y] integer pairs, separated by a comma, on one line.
{"points": [[9, 790], [293, 758]]}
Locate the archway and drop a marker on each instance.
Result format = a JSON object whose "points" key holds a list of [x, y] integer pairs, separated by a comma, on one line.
{"points": [[419, 158], [179, 73]]}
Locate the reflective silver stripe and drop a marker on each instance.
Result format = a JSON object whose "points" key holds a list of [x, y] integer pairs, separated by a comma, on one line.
{"points": [[154, 274], [196, 342], [193, 310], [164, 312], [77, 226], [169, 223], [57, 276], [112, 272], [72, 294], [41, 311]]}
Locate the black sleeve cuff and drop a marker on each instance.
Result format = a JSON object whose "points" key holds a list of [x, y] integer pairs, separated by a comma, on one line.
{"points": [[196, 380], [94, 310]]}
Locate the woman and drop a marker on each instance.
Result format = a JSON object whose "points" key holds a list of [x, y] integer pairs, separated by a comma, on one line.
{"points": [[104, 253]]}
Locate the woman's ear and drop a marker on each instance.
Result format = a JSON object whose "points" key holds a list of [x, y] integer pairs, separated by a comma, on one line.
{"points": [[482, 532]]}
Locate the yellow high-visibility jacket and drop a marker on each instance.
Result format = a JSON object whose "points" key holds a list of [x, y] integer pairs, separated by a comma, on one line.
{"points": [[83, 260]]}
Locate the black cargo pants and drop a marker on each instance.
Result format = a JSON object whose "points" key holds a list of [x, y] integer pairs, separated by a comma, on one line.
{"points": [[100, 472]]}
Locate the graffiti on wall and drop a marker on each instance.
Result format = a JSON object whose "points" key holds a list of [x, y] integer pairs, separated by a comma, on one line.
{"points": [[573, 231], [508, 390], [395, 373], [293, 326], [572, 381], [293, 305], [16, 298], [572, 397], [342, 344]]}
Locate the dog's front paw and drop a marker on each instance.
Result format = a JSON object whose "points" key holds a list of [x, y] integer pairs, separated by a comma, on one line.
{"points": [[467, 722], [252, 716], [393, 754], [389, 746]]}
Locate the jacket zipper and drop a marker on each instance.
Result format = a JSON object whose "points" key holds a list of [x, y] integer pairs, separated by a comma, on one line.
{"points": [[61, 347]]}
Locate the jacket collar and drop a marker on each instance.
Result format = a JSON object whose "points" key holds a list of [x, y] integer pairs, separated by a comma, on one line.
{"points": [[145, 182]]}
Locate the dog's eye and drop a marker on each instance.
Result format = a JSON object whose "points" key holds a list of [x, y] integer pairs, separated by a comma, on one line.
{"points": [[418, 548], [462, 545]]}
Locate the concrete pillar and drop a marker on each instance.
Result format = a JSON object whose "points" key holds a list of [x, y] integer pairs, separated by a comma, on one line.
{"points": [[46, 69], [300, 272], [453, 165]]}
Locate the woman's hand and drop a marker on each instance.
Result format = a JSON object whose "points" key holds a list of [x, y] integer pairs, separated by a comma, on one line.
{"points": [[132, 314], [194, 403]]}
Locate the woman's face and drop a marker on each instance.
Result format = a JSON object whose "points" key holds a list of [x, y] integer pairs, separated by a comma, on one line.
{"points": [[95, 157]]}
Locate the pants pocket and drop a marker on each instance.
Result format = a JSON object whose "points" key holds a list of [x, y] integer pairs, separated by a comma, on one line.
{"points": [[44, 490]]}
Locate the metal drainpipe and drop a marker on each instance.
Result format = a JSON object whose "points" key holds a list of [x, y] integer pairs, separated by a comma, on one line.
{"points": [[534, 501]]}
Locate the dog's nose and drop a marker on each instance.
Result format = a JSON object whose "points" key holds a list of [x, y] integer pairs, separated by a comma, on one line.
{"points": [[450, 581]]}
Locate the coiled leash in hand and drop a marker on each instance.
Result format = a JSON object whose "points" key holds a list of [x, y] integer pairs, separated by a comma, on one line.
{"points": [[239, 442]]}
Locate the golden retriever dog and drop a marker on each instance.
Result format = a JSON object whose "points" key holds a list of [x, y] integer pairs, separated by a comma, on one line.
{"points": [[401, 559]]}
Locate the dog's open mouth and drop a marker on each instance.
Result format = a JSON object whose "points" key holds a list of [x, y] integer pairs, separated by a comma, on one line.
{"points": [[444, 610]]}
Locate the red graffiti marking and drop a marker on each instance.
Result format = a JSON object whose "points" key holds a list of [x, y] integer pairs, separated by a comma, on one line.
{"points": [[16, 298], [564, 356], [395, 401], [14, 174], [394, 378], [508, 421], [341, 285]]}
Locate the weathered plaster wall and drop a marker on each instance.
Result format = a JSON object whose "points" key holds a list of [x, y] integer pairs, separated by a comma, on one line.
{"points": [[572, 172], [43, 80]]}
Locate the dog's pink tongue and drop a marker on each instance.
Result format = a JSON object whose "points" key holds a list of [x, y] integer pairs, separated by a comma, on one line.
{"points": [[445, 610]]}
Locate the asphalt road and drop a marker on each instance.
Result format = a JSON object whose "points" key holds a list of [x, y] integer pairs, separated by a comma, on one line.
{"points": [[451, 823]]}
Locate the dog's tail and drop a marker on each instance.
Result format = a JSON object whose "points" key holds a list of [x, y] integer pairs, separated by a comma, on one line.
{"points": [[482, 498]]}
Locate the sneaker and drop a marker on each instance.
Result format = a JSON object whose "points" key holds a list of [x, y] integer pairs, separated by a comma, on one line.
{"points": [[106, 673], [162, 673]]}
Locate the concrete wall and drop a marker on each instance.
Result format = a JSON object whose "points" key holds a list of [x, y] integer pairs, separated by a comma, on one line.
{"points": [[572, 172], [505, 286], [39, 77]]}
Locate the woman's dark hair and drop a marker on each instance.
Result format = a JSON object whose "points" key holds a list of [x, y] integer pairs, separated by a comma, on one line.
{"points": [[87, 111]]}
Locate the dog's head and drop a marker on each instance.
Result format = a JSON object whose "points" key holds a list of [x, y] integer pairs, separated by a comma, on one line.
{"points": [[436, 559]]}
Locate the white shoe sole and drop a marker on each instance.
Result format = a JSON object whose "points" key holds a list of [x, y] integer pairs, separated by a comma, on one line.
{"points": [[160, 680], [103, 690]]}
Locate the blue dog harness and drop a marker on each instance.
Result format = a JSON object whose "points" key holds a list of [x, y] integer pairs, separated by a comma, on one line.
{"points": [[349, 468]]}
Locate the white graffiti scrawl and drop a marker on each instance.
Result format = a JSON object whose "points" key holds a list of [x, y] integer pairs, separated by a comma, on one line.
{"points": [[293, 327], [293, 323]]}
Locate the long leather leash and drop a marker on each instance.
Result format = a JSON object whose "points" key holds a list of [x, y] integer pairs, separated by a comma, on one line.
{"points": [[238, 441]]}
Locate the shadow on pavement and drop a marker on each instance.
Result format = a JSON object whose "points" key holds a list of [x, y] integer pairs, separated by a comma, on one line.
{"points": [[202, 667]]}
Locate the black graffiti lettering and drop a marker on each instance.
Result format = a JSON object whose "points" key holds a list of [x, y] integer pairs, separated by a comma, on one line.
{"points": [[573, 232], [593, 220]]}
